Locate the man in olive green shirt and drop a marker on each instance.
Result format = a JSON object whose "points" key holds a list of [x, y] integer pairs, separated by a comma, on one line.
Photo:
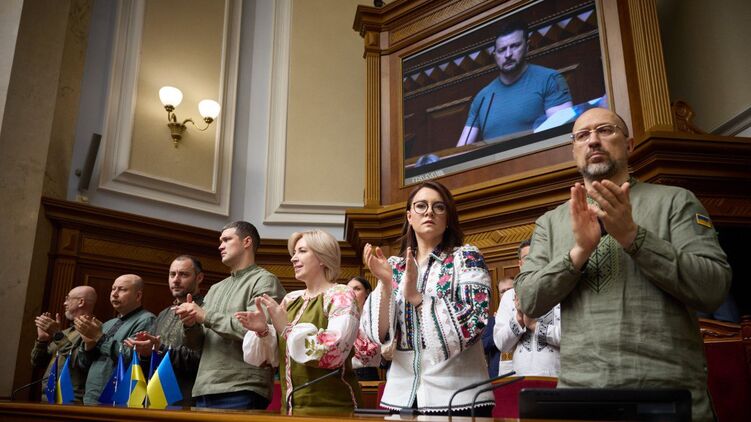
{"points": [[224, 380], [102, 343], [53, 342], [630, 264]]}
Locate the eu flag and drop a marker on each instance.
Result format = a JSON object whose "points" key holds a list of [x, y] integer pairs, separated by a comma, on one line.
{"points": [[117, 389], [163, 389], [52, 382], [64, 384]]}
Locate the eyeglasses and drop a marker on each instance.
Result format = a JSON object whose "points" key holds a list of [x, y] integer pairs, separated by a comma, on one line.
{"points": [[602, 131], [67, 298], [421, 207]]}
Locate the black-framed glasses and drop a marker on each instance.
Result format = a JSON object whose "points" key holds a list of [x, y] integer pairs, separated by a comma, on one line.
{"points": [[421, 207], [602, 131]]}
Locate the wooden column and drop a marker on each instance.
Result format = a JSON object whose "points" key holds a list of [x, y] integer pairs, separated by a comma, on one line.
{"points": [[650, 66], [373, 122]]}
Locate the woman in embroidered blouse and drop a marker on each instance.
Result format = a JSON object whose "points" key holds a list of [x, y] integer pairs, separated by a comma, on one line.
{"points": [[312, 331], [430, 308]]}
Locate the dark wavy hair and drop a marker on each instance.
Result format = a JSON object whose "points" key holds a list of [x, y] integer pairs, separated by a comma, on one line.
{"points": [[452, 237]]}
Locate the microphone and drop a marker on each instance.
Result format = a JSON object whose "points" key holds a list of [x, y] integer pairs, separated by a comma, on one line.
{"points": [[491, 388], [487, 112], [290, 400], [23, 387], [477, 384], [482, 100]]}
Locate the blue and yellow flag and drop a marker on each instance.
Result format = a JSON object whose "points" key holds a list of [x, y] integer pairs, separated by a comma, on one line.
{"points": [[64, 385], [52, 382], [153, 363], [163, 389], [137, 383]]}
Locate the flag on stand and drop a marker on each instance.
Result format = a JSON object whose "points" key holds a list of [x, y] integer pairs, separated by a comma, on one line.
{"points": [[52, 382], [163, 389], [153, 363], [64, 384], [137, 383], [117, 389]]}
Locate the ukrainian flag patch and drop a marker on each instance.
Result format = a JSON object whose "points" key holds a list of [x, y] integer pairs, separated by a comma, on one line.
{"points": [[703, 220]]}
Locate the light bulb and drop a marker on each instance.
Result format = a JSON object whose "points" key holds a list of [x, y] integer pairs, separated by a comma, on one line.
{"points": [[169, 95], [209, 108]]}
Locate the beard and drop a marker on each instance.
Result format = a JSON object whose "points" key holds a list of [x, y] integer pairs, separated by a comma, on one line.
{"points": [[600, 171], [514, 67], [69, 316]]}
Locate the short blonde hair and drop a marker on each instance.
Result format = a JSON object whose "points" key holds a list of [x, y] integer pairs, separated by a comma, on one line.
{"points": [[324, 246]]}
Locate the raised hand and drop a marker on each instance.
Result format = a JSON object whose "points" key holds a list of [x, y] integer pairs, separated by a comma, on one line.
{"points": [[276, 312], [143, 342], [529, 322], [411, 294], [378, 265], [615, 210], [584, 225], [253, 320], [46, 326], [90, 329], [189, 312]]}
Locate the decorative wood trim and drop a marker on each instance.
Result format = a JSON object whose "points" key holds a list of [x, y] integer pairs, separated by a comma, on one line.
{"points": [[431, 19], [683, 115], [650, 65], [116, 174], [373, 131], [714, 331]]}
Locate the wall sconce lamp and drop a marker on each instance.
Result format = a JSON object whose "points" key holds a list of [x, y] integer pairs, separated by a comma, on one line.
{"points": [[171, 97]]}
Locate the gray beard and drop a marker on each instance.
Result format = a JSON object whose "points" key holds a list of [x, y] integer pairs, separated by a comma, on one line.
{"points": [[599, 171]]}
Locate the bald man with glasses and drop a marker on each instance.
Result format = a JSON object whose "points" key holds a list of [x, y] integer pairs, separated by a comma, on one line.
{"points": [[630, 263], [53, 341]]}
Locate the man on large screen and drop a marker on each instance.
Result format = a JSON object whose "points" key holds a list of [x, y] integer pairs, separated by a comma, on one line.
{"points": [[520, 96]]}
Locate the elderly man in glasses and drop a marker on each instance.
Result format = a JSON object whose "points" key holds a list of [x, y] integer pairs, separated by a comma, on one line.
{"points": [[630, 263], [54, 342]]}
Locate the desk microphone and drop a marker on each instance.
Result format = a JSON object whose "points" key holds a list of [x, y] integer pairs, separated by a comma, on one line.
{"points": [[482, 100], [23, 387], [491, 388], [477, 384], [290, 400]]}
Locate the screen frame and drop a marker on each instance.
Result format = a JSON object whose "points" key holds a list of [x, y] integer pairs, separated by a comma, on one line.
{"points": [[544, 147]]}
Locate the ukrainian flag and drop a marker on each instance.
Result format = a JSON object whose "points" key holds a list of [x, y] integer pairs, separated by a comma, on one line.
{"points": [[64, 393], [137, 383], [163, 389]]}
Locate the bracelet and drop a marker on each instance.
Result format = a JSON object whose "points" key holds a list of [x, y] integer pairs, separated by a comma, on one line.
{"points": [[263, 333]]}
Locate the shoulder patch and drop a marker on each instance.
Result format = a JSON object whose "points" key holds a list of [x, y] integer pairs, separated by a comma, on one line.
{"points": [[703, 220]]}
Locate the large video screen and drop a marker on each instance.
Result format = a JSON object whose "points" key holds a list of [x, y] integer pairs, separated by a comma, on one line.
{"points": [[506, 88]]}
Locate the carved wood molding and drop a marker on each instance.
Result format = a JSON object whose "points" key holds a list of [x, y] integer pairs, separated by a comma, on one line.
{"points": [[650, 65], [373, 131], [683, 115], [432, 19], [713, 331]]}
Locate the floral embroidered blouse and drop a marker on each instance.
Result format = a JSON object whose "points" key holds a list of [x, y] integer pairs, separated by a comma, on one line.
{"points": [[317, 340], [436, 347]]}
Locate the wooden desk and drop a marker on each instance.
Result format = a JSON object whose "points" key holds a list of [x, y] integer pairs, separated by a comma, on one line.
{"points": [[25, 412]]}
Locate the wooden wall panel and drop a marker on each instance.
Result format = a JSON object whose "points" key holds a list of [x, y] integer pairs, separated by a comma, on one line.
{"points": [[93, 246]]}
